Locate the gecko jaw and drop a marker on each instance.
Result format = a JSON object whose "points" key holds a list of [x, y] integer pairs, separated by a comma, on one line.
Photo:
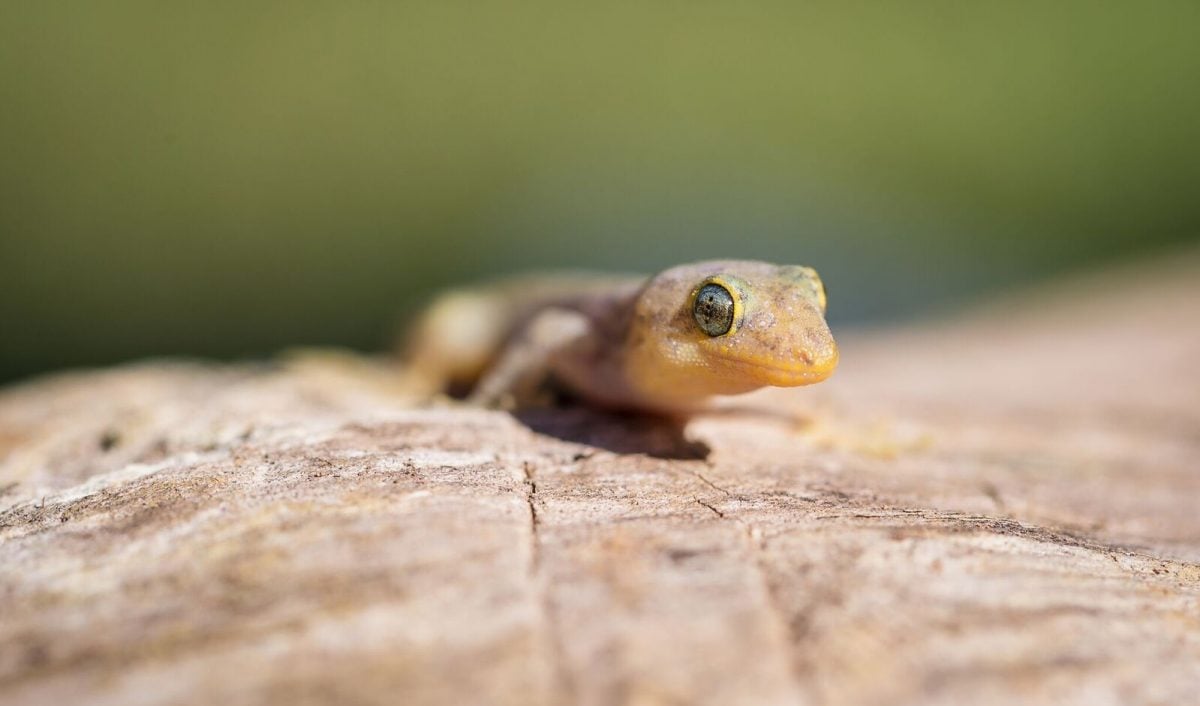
{"points": [[784, 375]]}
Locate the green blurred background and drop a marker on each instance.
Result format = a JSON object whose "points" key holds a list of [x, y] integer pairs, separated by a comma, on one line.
{"points": [[225, 179]]}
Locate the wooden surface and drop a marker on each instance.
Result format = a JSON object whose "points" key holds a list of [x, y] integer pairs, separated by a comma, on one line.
{"points": [[999, 508]]}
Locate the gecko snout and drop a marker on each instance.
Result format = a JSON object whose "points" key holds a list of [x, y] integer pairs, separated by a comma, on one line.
{"points": [[820, 358]]}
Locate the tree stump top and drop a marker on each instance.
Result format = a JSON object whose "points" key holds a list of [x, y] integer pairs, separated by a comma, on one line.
{"points": [[995, 508]]}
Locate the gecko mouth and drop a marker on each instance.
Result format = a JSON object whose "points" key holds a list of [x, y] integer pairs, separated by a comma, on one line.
{"points": [[804, 373]]}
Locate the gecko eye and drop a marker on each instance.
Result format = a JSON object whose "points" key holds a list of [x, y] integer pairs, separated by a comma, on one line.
{"points": [[713, 309]]}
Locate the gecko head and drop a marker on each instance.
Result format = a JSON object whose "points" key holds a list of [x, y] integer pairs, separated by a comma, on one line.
{"points": [[730, 326]]}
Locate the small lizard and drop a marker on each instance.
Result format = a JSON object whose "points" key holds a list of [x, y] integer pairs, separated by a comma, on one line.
{"points": [[664, 344]]}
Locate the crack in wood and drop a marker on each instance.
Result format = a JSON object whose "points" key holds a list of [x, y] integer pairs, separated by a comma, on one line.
{"points": [[775, 608], [700, 477], [564, 683], [710, 507]]}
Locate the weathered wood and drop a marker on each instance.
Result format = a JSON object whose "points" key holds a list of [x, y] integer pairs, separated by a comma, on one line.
{"points": [[996, 509]]}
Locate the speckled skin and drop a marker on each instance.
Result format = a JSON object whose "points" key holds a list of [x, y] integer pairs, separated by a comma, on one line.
{"points": [[628, 343]]}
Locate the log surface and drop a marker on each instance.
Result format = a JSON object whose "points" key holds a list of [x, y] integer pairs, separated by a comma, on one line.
{"points": [[996, 508]]}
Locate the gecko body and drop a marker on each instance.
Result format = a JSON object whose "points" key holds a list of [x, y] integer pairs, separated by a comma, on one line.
{"points": [[663, 344]]}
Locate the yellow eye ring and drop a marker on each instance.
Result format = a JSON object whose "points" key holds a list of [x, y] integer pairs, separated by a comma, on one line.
{"points": [[717, 306], [819, 286]]}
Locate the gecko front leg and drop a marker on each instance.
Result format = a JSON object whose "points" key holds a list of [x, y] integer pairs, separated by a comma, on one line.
{"points": [[518, 377]]}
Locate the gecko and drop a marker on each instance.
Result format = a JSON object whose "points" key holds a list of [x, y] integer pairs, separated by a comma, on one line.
{"points": [[664, 344]]}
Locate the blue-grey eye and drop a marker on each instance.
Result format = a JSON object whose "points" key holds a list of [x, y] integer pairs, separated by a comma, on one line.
{"points": [[713, 310]]}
